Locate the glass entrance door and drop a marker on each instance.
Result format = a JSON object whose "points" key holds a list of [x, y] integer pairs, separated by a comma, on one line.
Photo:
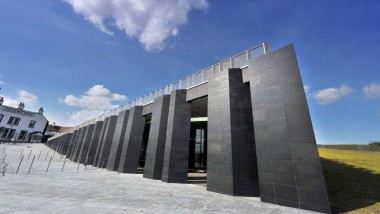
{"points": [[198, 146]]}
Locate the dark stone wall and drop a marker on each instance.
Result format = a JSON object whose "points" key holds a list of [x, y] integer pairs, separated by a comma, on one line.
{"points": [[290, 171], [100, 141], [86, 143], [157, 137], [231, 155], [66, 143], [79, 143], [130, 153], [117, 141], [107, 142], [71, 144], [177, 139], [94, 142]]}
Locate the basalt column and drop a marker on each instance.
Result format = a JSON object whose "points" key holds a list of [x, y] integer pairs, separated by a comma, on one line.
{"points": [[71, 143], [289, 167], [231, 155], [66, 142], [86, 143], [157, 137], [94, 142], [130, 153], [76, 140], [176, 153], [107, 142], [100, 140], [117, 141], [79, 144]]}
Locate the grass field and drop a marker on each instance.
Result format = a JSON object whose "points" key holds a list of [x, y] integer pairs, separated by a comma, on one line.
{"points": [[352, 179]]}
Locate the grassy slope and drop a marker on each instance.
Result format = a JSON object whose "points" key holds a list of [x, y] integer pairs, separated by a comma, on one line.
{"points": [[352, 179]]}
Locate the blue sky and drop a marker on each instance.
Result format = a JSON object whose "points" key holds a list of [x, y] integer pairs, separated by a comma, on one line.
{"points": [[77, 58]]}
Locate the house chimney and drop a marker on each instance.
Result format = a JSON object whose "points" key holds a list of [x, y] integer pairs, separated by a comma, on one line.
{"points": [[41, 111], [1, 100], [21, 106]]}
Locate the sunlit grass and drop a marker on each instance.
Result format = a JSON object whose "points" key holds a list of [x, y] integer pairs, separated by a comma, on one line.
{"points": [[352, 179]]}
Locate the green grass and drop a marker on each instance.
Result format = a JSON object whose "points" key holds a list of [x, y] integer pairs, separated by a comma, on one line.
{"points": [[375, 147], [352, 180]]}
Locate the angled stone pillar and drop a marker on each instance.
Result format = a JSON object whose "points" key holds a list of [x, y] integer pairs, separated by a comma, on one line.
{"points": [[71, 143], [86, 143], [66, 143], [79, 144], [290, 172], [94, 142], [176, 153], [75, 143], [231, 155], [117, 141], [157, 137], [130, 153], [100, 140], [107, 142]]}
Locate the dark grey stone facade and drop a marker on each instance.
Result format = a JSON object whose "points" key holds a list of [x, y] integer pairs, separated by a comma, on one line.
{"points": [[177, 139], [94, 142], [232, 165], [106, 142], [157, 137], [100, 141], [117, 141], [86, 143], [260, 139], [130, 151], [290, 172]]}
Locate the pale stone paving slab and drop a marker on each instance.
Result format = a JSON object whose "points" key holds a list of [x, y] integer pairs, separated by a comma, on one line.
{"points": [[101, 191]]}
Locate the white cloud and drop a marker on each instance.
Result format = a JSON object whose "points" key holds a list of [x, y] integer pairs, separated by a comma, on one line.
{"points": [[27, 97], [372, 90], [330, 95], [23, 96], [93, 103], [79, 117], [9, 101], [306, 88], [96, 97], [151, 21]]}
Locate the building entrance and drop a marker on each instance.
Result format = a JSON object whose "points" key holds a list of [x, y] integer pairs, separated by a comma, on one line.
{"points": [[198, 145]]}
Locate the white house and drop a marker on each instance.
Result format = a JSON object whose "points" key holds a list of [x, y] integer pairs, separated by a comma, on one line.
{"points": [[17, 124]]}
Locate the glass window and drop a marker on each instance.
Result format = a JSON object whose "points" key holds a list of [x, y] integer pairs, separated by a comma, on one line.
{"points": [[32, 123], [1, 117], [13, 121], [22, 135]]}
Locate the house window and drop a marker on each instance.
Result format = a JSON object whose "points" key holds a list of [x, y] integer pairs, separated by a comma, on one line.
{"points": [[32, 123], [1, 117], [8, 133], [13, 121], [22, 135]]}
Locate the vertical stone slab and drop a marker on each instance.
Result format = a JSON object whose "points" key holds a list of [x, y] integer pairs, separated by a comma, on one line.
{"points": [[130, 153], [86, 143], [75, 143], [100, 141], [107, 142], [117, 141], [290, 172], [79, 144], [94, 142], [176, 153], [231, 155], [71, 143], [66, 143], [157, 137]]}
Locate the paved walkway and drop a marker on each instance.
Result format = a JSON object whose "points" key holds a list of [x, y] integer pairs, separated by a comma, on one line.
{"points": [[76, 190]]}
